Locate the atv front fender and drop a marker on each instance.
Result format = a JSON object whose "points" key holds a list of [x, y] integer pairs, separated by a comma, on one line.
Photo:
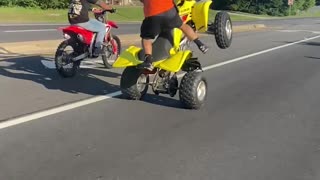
{"points": [[200, 15]]}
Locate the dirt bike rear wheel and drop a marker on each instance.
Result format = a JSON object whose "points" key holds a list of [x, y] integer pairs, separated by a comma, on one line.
{"points": [[63, 59], [133, 83], [108, 56]]}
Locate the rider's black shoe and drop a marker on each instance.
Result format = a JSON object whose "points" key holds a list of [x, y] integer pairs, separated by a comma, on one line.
{"points": [[203, 48], [147, 63]]}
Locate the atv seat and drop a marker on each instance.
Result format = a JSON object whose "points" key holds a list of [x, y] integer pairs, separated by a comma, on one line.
{"points": [[160, 47]]}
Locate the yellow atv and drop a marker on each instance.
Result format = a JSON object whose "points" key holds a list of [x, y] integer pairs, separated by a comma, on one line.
{"points": [[171, 55]]}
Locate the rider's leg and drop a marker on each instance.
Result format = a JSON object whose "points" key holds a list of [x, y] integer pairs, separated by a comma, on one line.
{"points": [[187, 30], [192, 36], [150, 28], [96, 26], [147, 46]]}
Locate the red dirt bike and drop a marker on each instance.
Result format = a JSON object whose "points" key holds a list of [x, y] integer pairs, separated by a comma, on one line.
{"points": [[82, 43]]}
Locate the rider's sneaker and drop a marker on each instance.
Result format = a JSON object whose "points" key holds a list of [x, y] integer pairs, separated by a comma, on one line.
{"points": [[147, 64], [203, 48], [97, 52]]}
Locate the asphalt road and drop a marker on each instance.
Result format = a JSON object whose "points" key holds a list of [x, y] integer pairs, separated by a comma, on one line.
{"points": [[260, 122], [20, 32]]}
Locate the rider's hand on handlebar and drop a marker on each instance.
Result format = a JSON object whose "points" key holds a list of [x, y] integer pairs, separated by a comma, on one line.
{"points": [[113, 10], [97, 11]]}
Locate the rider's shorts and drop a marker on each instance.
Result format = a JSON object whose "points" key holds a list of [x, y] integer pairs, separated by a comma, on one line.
{"points": [[153, 25]]}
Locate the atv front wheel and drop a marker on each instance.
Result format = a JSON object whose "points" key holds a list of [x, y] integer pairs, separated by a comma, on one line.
{"points": [[193, 90], [223, 30], [133, 83], [63, 60]]}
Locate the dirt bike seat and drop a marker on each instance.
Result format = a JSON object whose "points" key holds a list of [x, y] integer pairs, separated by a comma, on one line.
{"points": [[77, 29], [160, 47]]}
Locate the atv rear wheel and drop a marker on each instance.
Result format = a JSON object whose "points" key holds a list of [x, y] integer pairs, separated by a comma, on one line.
{"points": [[133, 83], [223, 30], [109, 56], [193, 90], [64, 65]]}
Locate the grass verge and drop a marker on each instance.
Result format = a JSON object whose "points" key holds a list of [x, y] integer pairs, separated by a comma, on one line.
{"points": [[124, 14], [35, 15]]}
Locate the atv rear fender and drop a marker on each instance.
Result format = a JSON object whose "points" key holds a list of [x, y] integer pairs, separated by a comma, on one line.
{"points": [[129, 57]]}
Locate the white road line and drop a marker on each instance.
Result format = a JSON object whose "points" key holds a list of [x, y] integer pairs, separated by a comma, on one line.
{"points": [[294, 31], [30, 30], [41, 114], [56, 110], [258, 53]]}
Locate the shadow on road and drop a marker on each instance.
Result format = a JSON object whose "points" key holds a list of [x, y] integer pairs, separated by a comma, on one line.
{"points": [[31, 69], [6, 54], [310, 43], [162, 101], [159, 100], [311, 57]]}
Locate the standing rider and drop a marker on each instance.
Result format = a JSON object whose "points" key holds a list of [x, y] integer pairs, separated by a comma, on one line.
{"points": [[78, 15], [162, 14]]}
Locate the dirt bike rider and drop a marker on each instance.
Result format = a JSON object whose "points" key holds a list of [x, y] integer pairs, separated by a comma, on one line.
{"points": [[78, 15], [162, 14]]}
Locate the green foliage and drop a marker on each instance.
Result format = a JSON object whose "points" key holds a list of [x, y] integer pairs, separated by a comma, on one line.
{"points": [[6, 3], [44, 4], [267, 7]]}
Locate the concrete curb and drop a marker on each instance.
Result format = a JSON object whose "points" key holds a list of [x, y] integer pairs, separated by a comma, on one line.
{"points": [[48, 47], [252, 27]]}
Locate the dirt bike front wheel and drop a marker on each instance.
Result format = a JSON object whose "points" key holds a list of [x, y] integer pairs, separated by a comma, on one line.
{"points": [[111, 51]]}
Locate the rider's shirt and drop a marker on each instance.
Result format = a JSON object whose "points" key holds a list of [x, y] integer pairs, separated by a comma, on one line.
{"points": [[78, 11], [156, 7]]}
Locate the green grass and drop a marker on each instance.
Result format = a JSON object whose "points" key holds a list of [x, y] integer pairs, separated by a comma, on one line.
{"points": [[31, 15], [239, 16], [124, 14], [310, 13], [236, 16]]}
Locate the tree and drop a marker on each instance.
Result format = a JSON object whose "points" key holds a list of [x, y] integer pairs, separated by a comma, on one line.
{"points": [[270, 7]]}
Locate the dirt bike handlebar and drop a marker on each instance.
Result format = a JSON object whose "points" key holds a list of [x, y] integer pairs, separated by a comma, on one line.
{"points": [[98, 11]]}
